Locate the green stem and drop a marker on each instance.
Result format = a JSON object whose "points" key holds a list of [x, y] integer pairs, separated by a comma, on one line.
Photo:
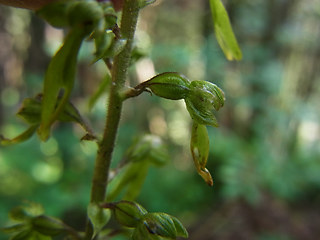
{"points": [[129, 19]]}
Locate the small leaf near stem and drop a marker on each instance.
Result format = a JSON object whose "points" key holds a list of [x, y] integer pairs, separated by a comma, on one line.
{"points": [[20, 138]]}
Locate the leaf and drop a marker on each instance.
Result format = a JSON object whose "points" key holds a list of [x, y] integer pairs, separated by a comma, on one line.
{"points": [[199, 146], [223, 31], [59, 78], [26, 212], [101, 89], [30, 235], [71, 114], [144, 3], [131, 178], [24, 235], [98, 216], [20, 138], [127, 213], [31, 113], [135, 185], [14, 228]]}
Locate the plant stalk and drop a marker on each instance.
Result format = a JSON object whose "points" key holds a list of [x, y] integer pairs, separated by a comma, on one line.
{"points": [[121, 64]]}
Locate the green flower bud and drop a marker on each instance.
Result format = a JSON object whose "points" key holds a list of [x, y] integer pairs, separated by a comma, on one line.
{"points": [[86, 14], [150, 148], [47, 225], [127, 213], [155, 225], [30, 110], [168, 85], [203, 98], [55, 13]]}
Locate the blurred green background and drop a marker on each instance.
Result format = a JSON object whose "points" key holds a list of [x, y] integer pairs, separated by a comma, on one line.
{"points": [[264, 157]]}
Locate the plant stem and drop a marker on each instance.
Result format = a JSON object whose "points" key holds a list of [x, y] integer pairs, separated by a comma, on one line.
{"points": [[129, 19]]}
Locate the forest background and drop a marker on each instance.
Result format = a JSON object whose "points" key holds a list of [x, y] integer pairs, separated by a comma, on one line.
{"points": [[264, 157]]}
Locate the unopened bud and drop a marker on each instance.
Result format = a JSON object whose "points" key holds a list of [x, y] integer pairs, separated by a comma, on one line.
{"points": [[127, 213], [169, 85], [203, 98]]}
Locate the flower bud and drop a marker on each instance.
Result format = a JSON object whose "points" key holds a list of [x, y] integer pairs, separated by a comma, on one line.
{"points": [[203, 98], [199, 146], [156, 225], [148, 148], [47, 225], [169, 85], [85, 13], [127, 213]]}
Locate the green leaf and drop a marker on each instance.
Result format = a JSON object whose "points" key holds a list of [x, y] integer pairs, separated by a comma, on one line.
{"points": [[199, 146], [169, 85], [134, 185], [71, 114], [59, 78], [98, 216], [20, 138], [101, 89], [30, 235], [131, 177], [14, 228], [24, 235], [223, 31], [31, 113], [26, 212], [127, 213], [144, 3]]}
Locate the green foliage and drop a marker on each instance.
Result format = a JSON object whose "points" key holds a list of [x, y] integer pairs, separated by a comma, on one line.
{"points": [[223, 31], [201, 98], [98, 21], [98, 216], [145, 151], [30, 223]]}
